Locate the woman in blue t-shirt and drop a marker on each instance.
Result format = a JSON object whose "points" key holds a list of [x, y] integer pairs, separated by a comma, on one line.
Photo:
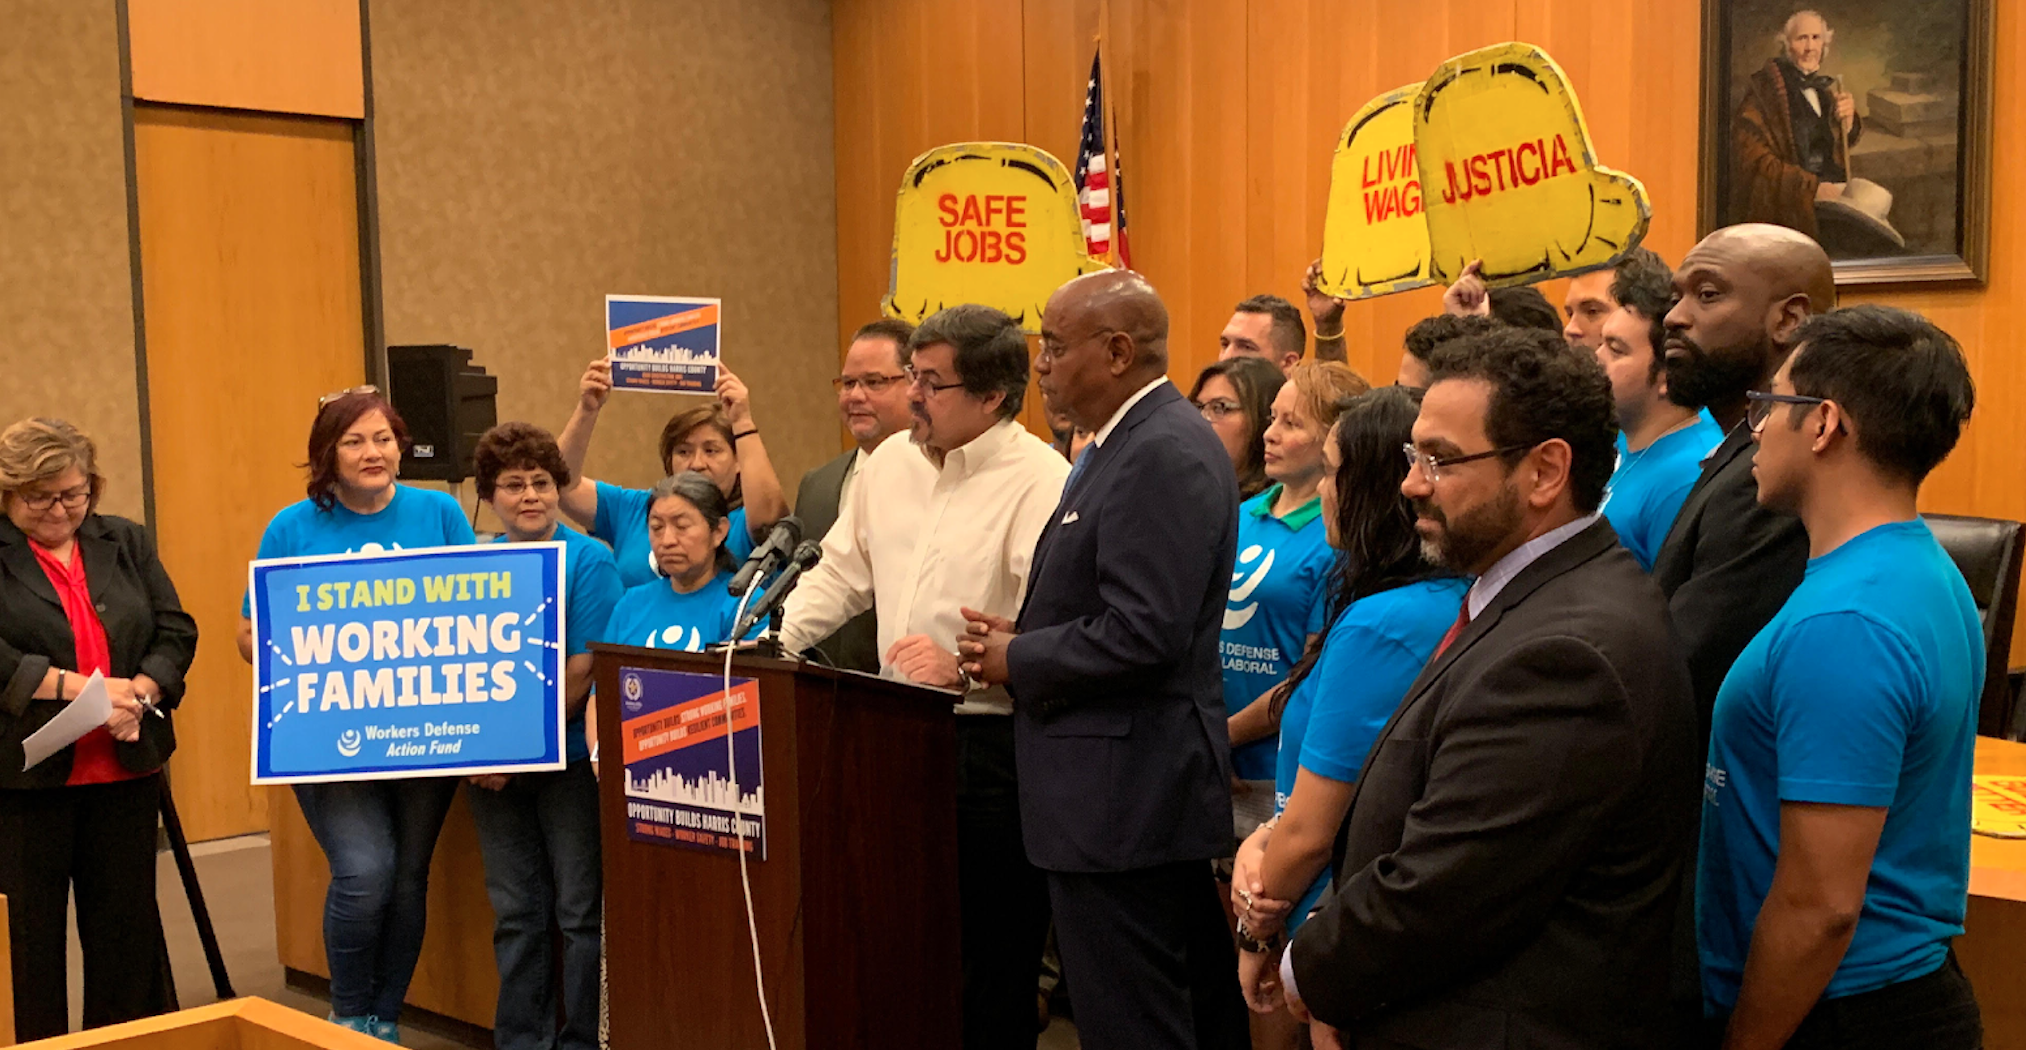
{"points": [[377, 834], [538, 832], [1278, 583], [719, 441], [1390, 610], [688, 608]]}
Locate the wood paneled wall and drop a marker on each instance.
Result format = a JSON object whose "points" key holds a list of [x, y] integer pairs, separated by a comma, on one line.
{"points": [[66, 284], [1228, 112], [534, 157]]}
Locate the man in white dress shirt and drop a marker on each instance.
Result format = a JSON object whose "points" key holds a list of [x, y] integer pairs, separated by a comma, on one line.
{"points": [[941, 519]]}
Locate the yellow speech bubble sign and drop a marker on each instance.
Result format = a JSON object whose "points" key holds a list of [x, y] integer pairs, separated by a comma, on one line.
{"points": [[1375, 240], [1508, 175], [984, 222]]}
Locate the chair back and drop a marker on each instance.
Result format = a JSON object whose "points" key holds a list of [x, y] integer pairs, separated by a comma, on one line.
{"points": [[1987, 551]]}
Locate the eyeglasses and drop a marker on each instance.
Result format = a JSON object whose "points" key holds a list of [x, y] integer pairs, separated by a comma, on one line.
{"points": [[1432, 465], [1761, 406], [1217, 408], [871, 384], [928, 382], [71, 500], [1054, 350], [517, 488], [328, 398]]}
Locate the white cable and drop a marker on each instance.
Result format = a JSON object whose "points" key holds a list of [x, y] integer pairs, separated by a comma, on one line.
{"points": [[738, 825]]}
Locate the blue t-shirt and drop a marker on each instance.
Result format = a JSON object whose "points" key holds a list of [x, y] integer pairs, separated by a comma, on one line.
{"points": [[653, 615], [413, 518], [622, 522], [592, 588], [1277, 598], [1650, 485], [1862, 691], [1372, 655]]}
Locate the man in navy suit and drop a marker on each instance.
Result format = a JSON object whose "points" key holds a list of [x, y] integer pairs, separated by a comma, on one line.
{"points": [[1122, 751]]}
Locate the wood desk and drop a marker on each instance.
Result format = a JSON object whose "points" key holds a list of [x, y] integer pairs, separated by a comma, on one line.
{"points": [[1993, 945]]}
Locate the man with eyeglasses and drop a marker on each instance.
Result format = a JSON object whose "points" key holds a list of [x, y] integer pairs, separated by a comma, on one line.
{"points": [[1835, 857], [873, 404], [939, 521], [1509, 865]]}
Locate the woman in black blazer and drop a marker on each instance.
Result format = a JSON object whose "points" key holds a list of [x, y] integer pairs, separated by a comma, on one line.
{"points": [[82, 592]]}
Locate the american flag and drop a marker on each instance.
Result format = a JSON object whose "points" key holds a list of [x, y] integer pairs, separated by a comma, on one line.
{"points": [[1100, 193]]}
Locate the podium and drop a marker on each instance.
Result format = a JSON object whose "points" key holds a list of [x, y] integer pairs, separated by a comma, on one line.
{"points": [[856, 901]]}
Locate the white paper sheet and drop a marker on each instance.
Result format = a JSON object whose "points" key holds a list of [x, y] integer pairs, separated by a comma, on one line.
{"points": [[88, 712]]}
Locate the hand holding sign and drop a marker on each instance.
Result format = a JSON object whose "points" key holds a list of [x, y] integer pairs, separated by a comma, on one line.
{"points": [[1508, 176]]}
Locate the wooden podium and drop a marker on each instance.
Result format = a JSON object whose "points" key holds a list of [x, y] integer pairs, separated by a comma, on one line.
{"points": [[856, 901]]}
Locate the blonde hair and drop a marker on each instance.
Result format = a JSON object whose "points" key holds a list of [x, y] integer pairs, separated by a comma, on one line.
{"points": [[1320, 387], [36, 450]]}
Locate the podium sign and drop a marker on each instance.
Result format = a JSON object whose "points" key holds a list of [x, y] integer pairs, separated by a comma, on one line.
{"points": [[684, 786]]}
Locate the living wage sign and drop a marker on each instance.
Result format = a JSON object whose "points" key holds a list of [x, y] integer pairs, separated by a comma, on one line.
{"points": [[438, 662], [1489, 158]]}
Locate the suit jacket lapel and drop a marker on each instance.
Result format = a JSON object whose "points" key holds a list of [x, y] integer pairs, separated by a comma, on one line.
{"points": [[101, 560], [20, 561], [1574, 551], [1097, 460]]}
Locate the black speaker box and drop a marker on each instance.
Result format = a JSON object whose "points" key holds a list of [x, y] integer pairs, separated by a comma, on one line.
{"points": [[448, 404]]}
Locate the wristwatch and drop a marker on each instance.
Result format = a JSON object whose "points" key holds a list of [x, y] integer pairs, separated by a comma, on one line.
{"points": [[1251, 944]]}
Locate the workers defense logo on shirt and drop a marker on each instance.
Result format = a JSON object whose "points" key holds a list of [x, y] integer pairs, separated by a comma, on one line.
{"points": [[439, 662]]}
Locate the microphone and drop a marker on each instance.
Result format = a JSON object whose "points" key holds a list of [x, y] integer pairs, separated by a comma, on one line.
{"points": [[768, 556], [805, 558]]}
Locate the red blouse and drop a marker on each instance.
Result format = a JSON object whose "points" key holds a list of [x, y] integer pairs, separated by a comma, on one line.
{"points": [[93, 760]]}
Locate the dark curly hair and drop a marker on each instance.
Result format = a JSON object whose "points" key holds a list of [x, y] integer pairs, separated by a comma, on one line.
{"points": [[683, 423], [517, 446], [1378, 549], [334, 417], [987, 347], [1900, 378], [1541, 390], [1425, 335], [1257, 381], [1643, 284]]}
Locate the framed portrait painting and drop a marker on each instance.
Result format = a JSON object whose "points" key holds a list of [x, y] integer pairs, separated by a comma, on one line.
{"points": [[1862, 123]]}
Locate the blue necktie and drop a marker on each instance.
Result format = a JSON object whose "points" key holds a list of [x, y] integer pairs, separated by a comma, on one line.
{"points": [[1076, 468]]}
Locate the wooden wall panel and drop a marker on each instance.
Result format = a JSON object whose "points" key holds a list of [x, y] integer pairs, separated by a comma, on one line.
{"points": [[534, 157], [250, 266], [66, 292], [281, 56], [1229, 111]]}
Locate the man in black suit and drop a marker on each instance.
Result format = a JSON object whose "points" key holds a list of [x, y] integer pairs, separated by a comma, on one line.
{"points": [[1123, 757], [872, 400], [1508, 871], [1729, 563]]}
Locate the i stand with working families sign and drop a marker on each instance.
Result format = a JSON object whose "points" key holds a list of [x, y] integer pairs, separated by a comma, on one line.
{"points": [[439, 662]]}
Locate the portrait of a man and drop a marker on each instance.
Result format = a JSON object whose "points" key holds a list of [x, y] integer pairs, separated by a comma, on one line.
{"points": [[1844, 119]]}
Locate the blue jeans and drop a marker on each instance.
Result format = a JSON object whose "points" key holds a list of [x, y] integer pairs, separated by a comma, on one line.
{"points": [[539, 835], [378, 836]]}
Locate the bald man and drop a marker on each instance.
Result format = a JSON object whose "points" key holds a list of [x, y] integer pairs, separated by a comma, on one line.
{"points": [[1119, 722], [1729, 564]]}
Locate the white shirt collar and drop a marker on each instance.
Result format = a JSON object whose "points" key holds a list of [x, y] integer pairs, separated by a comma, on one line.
{"points": [[1112, 423], [1502, 571], [966, 458]]}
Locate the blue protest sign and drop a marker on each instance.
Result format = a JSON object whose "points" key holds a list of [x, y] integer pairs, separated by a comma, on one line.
{"points": [[438, 662], [662, 344], [685, 782]]}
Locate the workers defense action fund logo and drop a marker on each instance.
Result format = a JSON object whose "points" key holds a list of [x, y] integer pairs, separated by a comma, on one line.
{"points": [[439, 662]]}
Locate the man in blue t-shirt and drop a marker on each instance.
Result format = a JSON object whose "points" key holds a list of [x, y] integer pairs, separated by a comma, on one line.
{"points": [[1836, 802], [1661, 445]]}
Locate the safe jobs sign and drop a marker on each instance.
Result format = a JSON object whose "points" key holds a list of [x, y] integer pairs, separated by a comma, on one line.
{"points": [[437, 662]]}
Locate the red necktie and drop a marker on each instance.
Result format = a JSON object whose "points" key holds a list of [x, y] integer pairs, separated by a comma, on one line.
{"points": [[1462, 621]]}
